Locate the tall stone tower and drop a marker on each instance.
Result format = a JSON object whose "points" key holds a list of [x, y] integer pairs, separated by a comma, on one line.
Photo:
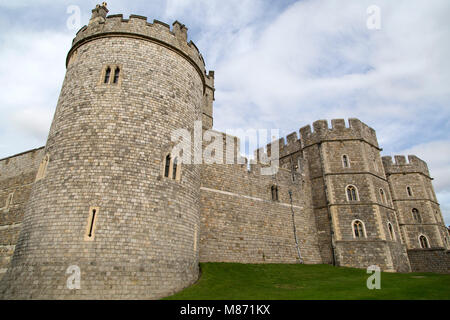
{"points": [[356, 219], [109, 203], [421, 223]]}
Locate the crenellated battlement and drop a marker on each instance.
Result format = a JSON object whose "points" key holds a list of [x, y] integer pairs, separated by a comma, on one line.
{"points": [[137, 26], [338, 131], [286, 146], [401, 164], [322, 132], [231, 156]]}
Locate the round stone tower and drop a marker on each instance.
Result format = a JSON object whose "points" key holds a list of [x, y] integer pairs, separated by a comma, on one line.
{"points": [[111, 214]]}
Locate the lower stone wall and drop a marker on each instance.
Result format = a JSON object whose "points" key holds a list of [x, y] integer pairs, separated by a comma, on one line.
{"points": [[17, 174], [399, 256], [134, 280], [6, 253], [430, 260], [364, 253], [240, 222], [8, 239]]}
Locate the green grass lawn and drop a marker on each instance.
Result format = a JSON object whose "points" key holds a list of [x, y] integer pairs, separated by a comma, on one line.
{"points": [[233, 281]]}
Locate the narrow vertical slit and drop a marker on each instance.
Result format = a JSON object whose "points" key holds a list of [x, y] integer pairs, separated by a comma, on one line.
{"points": [[107, 75], [167, 167], [92, 222], [175, 164], [116, 75]]}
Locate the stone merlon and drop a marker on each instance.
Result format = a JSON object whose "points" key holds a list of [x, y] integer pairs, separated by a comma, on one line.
{"points": [[137, 26], [401, 165]]}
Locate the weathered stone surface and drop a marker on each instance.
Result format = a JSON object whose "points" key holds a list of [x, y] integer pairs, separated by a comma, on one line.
{"points": [[106, 147], [17, 175], [430, 260], [106, 152]]}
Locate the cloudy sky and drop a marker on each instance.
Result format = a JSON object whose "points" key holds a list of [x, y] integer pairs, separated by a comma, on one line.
{"points": [[279, 64]]}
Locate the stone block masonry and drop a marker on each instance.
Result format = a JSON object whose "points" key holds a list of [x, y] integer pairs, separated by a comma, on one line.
{"points": [[240, 222], [430, 260], [17, 174], [106, 194], [106, 148]]}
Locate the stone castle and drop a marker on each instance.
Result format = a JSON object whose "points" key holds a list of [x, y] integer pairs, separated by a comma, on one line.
{"points": [[107, 195]]}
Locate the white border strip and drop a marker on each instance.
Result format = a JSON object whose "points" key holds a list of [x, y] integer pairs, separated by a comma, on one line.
{"points": [[247, 197]]}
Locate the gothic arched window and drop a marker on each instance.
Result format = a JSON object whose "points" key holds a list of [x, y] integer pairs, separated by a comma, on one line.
{"points": [[174, 169], [171, 167], [409, 191], [391, 231], [352, 193], [416, 215], [358, 229], [383, 196], [274, 190], [345, 161], [423, 241]]}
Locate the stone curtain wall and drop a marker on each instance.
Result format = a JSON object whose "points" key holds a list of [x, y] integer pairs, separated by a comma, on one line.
{"points": [[388, 255], [323, 147], [241, 223], [414, 174], [400, 261], [17, 175], [430, 260]]}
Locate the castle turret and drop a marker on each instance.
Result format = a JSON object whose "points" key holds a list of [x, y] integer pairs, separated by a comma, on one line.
{"points": [[109, 198], [421, 223], [356, 220]]}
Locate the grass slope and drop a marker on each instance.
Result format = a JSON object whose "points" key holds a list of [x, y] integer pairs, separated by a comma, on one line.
{"points": [[233, 281]]}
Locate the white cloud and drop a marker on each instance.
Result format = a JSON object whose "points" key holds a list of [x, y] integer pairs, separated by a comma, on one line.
{"points": [[318, 58], [32, 68], [34, 121]]}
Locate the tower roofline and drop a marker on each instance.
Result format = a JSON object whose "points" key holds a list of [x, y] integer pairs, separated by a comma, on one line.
{"points": [[138, 27], [357, 130], [401, 164]]}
